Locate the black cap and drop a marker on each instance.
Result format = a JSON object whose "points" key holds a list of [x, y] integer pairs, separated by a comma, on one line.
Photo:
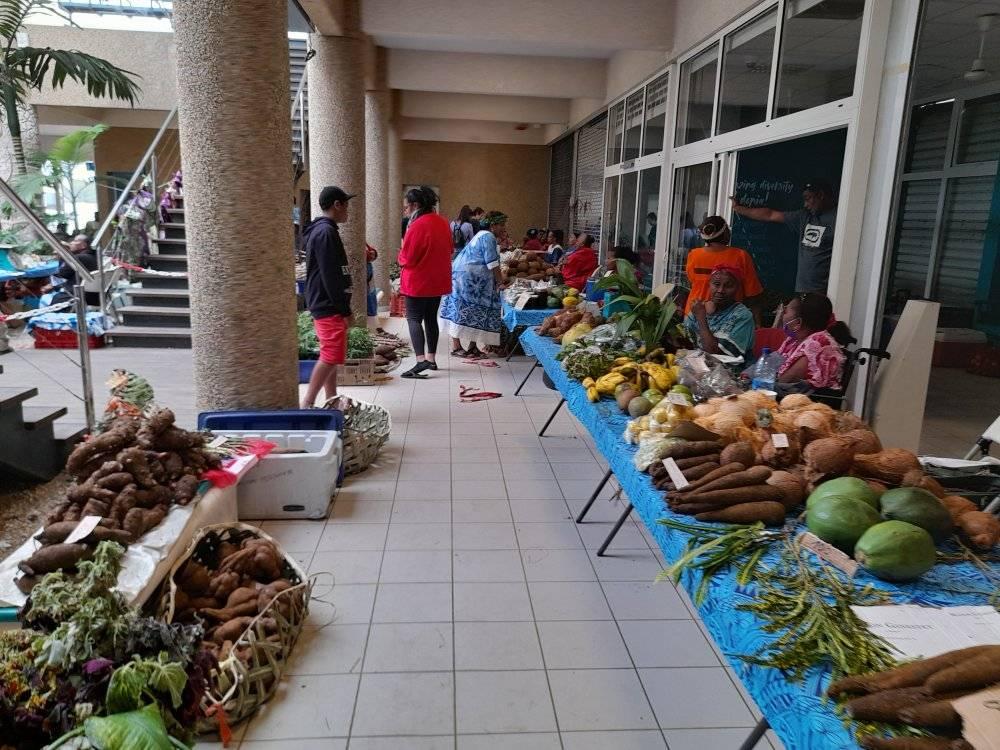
{"points": [[330, 194]]}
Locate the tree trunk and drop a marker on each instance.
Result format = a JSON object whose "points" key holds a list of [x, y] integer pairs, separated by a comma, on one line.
{"points": [[14, 125]]}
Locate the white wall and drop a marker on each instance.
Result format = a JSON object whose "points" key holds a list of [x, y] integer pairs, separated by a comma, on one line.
{"points": [[468, 131], [527, 109], [628, 67], [693, 20]]}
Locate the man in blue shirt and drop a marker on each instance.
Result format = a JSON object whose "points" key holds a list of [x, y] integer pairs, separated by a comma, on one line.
{"points": [[814, 225]]}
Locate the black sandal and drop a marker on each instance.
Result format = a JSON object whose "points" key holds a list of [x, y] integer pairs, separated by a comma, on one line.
{"points": [[414, 374], [459, 352]]}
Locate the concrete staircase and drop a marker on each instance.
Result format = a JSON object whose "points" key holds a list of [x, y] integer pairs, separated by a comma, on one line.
{"points": [[159, 313], [34, 441]]}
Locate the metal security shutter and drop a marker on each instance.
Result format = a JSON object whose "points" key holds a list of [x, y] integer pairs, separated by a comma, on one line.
{"points": [[928, 137], [979, 137], [589, 188], [918, 205], [561, 183], [966, 214]]}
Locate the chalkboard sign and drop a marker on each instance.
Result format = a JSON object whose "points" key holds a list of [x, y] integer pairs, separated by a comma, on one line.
{"points": [[772, 176]]}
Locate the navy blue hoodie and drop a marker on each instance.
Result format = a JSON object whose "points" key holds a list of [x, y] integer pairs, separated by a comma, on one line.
{"points": [[328, 276]]}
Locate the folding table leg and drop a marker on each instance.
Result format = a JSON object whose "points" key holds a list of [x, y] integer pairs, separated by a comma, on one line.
{"points": [[614, 532], [518, 330], [541, 432], [755, 736], [526, 377], [590, 502]]}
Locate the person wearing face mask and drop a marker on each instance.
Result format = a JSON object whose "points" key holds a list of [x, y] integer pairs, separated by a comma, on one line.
{"points": [[721, 324], [813, 352]]}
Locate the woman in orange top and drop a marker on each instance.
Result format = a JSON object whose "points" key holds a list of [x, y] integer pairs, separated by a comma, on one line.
{"points": [[701, 260]]}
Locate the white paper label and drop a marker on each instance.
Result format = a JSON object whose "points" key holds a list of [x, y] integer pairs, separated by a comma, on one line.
{"points": [[678, 398], [829, 553], [83, 529], [980, 714], [607, 273], [522, 300], [922, 632], [220, 440], [780, 440], [676, 476]]}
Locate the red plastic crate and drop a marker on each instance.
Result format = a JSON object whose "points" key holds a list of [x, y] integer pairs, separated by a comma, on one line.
{"points": [[397, 306], [48, 339]]}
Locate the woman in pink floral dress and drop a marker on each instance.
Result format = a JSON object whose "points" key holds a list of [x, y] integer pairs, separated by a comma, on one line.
{"points": [[813, 352]]}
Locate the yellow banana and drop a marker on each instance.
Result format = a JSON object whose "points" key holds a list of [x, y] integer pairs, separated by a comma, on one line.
{"points": [[592, 393]]}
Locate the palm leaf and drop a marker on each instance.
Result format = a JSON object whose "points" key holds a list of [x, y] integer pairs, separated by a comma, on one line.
{"points": [[28, 185], [12, 16], [100, 77], [75, 147]]}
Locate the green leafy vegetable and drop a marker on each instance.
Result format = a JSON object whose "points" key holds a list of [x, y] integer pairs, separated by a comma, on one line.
{"points": [[360, 343], [141, 679], [133, 730], [308, 343], [649, 316]]}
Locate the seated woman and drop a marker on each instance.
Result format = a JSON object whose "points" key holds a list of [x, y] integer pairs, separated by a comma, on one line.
{"points": [[813, 352], [555, 251], [578, 265], [530, 243], [721, 325]]}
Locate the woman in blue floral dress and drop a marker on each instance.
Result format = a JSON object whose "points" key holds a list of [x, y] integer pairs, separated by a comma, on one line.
{"points": [[472, 310]]}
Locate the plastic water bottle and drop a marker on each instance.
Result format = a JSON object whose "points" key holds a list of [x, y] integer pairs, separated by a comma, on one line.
{"points": [[765, 372]]}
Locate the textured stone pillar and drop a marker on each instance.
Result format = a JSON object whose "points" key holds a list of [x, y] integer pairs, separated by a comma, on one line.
{"points": [[394, 218], [337, 142], [376, 184], [236, 152]]}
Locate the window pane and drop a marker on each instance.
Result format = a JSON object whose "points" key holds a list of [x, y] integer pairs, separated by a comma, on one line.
{"points": [[691, 198], [645, 240], [697, 91], [928, 137], [616, 129], [746, 74], [633, 125], [963, 234], [626, 210], [819, 53], [610, 213], [914, 233], [656, 115], [979, 136]]}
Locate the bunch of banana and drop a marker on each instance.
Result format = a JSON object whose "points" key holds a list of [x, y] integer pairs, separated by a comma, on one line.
{"points": [[606, 384], [593, 395], [660, 357], [661, 375]]}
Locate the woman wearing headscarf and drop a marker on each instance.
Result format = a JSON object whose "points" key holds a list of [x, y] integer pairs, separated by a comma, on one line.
{"points": [[472, 310], [715, 233], [814, 350], [580, 263], [721, 324]]}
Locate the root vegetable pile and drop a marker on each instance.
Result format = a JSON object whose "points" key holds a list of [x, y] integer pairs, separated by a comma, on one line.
{"points": [[129, 476], [226, 598]]}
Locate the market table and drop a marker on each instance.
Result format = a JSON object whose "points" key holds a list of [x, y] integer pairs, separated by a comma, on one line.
{"points": [[796, 711], [514, 320]]}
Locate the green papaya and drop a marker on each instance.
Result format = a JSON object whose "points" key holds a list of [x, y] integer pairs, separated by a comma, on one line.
{"points": [[553, 303], [840, 520], [852, 487], [919, 507], [896, 551]]}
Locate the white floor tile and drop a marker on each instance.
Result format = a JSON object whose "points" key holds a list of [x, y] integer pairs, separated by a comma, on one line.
{"points": [[706, 739], [413, 602], [473, 536], [645, 600], [330, 743], [587, 471], [496, 645], [623, 740], [421, 511], [699, 697], [557, 565], [481, 454], [522, 470], [372, 489], [353, 510], [473, 489], [337, 649], [290, 714], [424, 471], [491, 602], [534, 741], [587, 644], [570, 600], [409, 647], [490, 702], [628, 536], [561, 535], [295, 536], [348, 567], [423, 490], [533, 489], [419, 536], [414, 703], [487, 566], [667, 643], [533, 511], [353, 536], [626, 564], [340, 603], [416, 566], [401, 743], [480, 511], [600, 699]]}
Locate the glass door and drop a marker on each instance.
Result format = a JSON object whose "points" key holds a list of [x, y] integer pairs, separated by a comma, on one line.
{"points": [[692, 201]]}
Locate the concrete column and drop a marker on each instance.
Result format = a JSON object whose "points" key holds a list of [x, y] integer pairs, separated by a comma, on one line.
{"points": [[395, 190], [337, 142], [376, 184], [236, 153]]}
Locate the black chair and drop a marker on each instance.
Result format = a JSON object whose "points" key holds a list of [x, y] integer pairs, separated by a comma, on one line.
{"points": [[835, 397]]}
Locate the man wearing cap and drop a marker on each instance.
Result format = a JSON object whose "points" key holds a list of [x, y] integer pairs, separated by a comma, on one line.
{"points": [[814, 224], [328, 290]]}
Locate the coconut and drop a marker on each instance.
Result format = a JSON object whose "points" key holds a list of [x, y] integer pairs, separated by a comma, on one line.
{"points": [[889, 465], [814, 420], [792, 488], [740, 452], [865, 441], [758, 400], [780, 458], [832, 455], [796, 401]]}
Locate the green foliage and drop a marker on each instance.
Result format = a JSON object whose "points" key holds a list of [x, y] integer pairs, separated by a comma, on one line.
{"points": [[133, 730], [308, 343], [360, 343], [649, 316], [142, 680]]}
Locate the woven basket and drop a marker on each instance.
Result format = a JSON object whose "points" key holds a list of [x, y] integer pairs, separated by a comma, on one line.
{"points": [[366, 429], [241, 686]]}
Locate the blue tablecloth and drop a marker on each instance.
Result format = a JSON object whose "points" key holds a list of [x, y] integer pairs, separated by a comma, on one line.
{"points": [[37, 272], [66, 321], [513, 318], [794, 710]]}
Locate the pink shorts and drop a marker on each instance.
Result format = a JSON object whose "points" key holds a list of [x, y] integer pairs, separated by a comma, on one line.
{"points": [[332, 335]]}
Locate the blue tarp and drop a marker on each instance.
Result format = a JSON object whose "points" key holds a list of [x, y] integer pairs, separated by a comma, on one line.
{"points": [[513, 318], [67, 322], [796, 711], [38, 272]]}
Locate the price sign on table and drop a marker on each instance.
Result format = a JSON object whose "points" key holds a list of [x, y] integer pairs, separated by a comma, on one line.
{"points": [[523, 299]]}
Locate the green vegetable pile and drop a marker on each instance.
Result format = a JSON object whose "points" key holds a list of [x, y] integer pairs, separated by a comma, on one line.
{"points": [[360, 343], [308, 343]]}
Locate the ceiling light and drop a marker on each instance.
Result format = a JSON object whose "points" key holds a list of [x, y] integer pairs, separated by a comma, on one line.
{"points": [[978, 70]]}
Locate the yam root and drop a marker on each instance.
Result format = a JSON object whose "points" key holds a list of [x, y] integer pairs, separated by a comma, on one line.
{"points": [[55, 557], [691, 475], [693, 448], [872, 742], [747, 478], [734, 495], [26, 583], [770, 512], [886, 705], [958, 506], [185, 489], [121, 434], [156, 495], [174, 439], [55, 533], [689, 463], [134, 461], [722, 471], [740, 452], [908, 675], [972, 674], [95, 508], [936, 714], [116, 481], [231, 630], [138, 520], [155, 424], [980, 528]]}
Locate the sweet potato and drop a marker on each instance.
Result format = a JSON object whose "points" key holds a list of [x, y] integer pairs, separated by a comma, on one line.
{"points": [[231, 630], [194, 578], [935, 714], [258, 559], [748, 478], [908, 675], [55, 557], [770, 512], [886, 704], [223, 584], [980, 528], [243, 601], [977, 672], [266, 594]]}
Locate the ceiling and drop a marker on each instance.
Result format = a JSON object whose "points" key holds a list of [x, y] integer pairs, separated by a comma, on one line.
{"points": [[949, 41]]}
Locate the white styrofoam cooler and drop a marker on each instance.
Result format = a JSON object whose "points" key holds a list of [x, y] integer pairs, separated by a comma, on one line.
{"points": [[292, 485]]}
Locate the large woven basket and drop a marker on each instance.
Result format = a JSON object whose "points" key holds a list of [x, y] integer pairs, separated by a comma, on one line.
{"points": [[366, 429], [241, 686]]}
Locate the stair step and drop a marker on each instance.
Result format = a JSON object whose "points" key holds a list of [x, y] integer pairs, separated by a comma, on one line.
{"points": [[168, 262], [179, 211], [168, 241], [153, 282], [161, 316], [69, 431], [151, 337], [157, 297], [173, 224], [35, 417], [10, 396]]}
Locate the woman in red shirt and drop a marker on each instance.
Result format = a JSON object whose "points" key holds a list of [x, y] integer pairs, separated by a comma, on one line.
{"points": [[425, 275], [579, 264]]}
